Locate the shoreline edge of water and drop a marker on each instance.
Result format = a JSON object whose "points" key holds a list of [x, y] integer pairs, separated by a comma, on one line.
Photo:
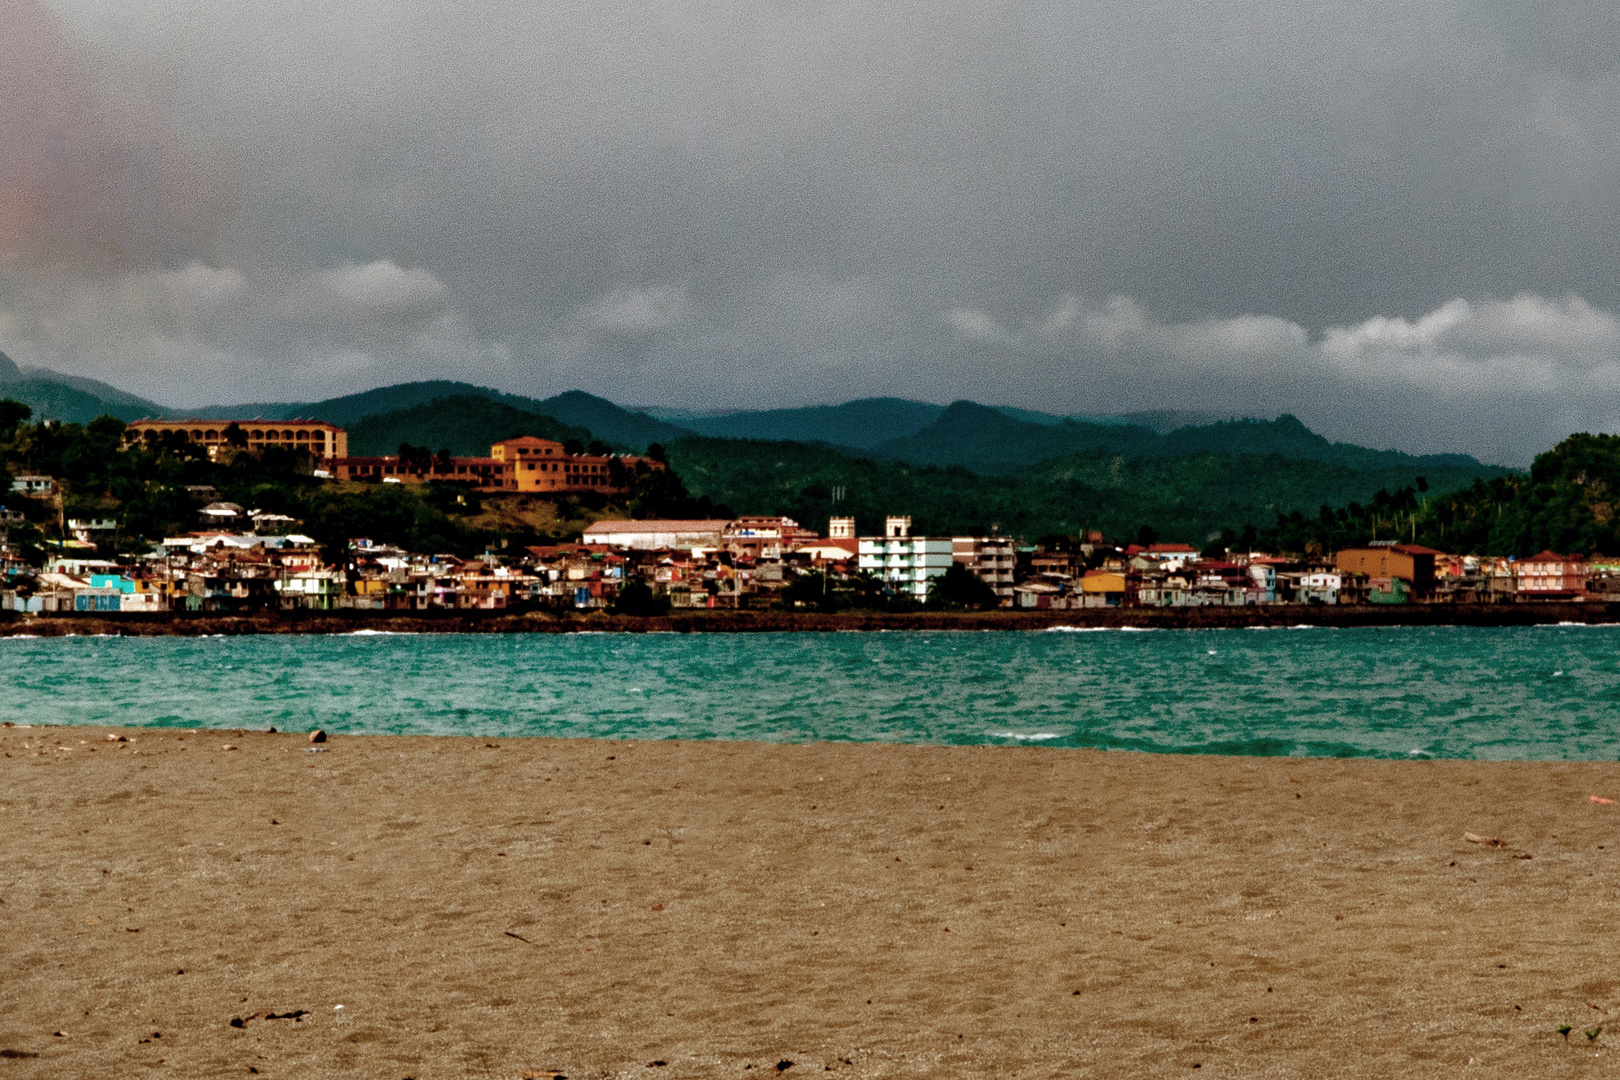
{"points": [[474, 622]]}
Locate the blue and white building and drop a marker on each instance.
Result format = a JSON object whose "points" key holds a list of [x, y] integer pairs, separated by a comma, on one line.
{"points": [[906, 563]]}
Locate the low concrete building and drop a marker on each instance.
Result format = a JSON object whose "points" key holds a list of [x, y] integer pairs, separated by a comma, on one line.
{"points": [[1105, 588], [1413, 563], [765, 537], [34, 486], [656, 535]]}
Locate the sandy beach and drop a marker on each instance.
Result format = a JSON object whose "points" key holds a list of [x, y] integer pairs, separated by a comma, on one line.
{"points": [[397, 907]]}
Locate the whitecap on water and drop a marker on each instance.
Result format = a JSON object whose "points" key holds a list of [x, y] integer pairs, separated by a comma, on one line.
{"points": [[1032, 736], [1099, 630]]}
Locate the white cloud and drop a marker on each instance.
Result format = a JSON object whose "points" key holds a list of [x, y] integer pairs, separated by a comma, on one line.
{"points": [[205, 334], [384, 286], [202, 284], [1526, 345], [1063, 316], [637, 311], [976, 325]]}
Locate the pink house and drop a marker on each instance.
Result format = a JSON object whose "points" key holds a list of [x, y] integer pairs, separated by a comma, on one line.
{"points": [[1551, 576]]}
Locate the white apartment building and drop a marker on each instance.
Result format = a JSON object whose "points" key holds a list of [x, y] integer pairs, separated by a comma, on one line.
{"points": [[907, 563], [991, 559]]}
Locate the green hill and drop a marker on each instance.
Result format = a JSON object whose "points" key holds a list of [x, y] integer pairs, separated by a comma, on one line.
{"points": [[463, 425], [611, 423], [69, 398], [53, 400], [621, 427], [1569, 502], [1186, 498]]}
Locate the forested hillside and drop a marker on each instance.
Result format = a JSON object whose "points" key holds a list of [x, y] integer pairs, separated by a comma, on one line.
{"points": [[1191, 498]]}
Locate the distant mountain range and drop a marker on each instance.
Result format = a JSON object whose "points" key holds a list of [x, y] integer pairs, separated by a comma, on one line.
{"points": [[983, 438], [868, 423], [77, 400]]}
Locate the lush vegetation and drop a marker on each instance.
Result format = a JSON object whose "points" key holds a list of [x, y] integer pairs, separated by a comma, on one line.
{"points": [[1194, 499]]}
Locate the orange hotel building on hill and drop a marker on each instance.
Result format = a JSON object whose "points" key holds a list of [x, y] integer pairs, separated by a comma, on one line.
{"points": [[320, 439], [523, 464]]}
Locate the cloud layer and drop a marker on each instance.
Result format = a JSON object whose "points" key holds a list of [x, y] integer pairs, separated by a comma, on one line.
{"points": [[1397, 221]]}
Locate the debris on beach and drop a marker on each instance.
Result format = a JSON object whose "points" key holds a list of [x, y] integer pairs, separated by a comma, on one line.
{"points": [[317, 735], [540, 1074], [1488, 841], [1601, 800]]}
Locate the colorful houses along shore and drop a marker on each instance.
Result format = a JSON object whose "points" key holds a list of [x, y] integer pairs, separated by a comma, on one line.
{"points": [[255, 562]]}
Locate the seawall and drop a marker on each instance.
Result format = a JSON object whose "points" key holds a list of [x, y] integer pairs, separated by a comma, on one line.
{"points": [[477, 622]]}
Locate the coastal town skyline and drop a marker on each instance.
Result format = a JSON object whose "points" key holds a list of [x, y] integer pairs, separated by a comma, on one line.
{"points": [[250, 561]]}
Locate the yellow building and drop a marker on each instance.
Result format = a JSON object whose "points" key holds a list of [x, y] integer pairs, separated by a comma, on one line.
{"points": [[316, 437], [537, 464], [544, 465]]}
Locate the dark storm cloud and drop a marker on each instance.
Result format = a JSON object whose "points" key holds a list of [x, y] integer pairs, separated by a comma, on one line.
{"points": [[1395, 220]]}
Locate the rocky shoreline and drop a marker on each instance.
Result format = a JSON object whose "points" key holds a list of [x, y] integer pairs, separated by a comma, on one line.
{"points": [[480, 622]]}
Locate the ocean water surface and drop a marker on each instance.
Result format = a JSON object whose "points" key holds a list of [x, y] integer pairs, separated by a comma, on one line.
{"points": [[1527, 693]]}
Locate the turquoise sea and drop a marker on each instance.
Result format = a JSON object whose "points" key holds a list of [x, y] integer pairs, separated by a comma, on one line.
{"points": [[1531, 693]]}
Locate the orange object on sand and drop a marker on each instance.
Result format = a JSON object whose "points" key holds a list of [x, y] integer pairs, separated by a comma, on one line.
{"points": [[1601, 799]]}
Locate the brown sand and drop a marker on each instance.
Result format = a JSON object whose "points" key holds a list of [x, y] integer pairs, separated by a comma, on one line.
{"points": [[594, 908]]}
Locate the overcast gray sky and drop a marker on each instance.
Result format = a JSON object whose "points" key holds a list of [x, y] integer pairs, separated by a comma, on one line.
{"points": [[1397, 221]]}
